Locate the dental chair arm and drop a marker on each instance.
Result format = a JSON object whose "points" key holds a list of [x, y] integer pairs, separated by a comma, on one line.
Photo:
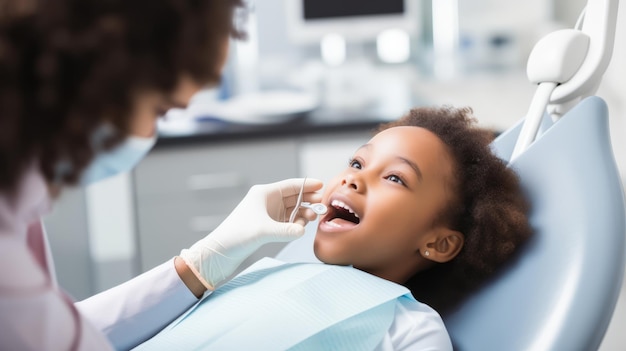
{"points": [[568, 65], [600, 20]]}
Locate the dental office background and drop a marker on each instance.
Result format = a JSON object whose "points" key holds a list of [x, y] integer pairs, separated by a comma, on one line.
{"points": [[459, 52]]}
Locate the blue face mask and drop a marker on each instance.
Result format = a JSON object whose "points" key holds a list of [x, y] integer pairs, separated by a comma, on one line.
{"points": [[120, 159]]}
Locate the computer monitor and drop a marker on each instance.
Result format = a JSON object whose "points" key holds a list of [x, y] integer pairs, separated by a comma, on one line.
{"points": [[355, 20]]}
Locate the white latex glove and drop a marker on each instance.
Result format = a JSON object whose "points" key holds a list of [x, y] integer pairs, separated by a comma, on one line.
{"points": [[260, 218]]}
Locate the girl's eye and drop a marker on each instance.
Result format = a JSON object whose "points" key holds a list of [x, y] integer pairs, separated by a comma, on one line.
{"points": [[355, 164], [394, 178]]}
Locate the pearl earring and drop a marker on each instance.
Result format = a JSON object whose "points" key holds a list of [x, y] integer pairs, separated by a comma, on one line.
{"points": [[426, 253]]}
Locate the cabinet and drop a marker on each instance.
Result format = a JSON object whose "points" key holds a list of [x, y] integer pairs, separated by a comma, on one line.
{"points": [[66, 226], [184, 192]]}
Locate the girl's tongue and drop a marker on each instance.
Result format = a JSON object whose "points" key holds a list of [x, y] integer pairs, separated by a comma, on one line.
{"points": [[340, 216]]}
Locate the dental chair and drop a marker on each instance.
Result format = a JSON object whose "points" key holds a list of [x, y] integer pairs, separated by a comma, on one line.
{"points": [[561, 291]]}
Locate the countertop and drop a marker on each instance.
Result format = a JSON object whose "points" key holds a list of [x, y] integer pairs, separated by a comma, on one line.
{"points": [[173, 133]]}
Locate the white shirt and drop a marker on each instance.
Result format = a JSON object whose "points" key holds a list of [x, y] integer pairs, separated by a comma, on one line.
{"points": [[416, 327]]}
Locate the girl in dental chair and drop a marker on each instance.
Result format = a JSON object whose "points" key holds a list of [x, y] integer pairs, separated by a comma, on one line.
{"points": [[424, 205]]}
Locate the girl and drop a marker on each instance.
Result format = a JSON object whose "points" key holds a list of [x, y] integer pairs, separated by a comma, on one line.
{"points": [[424, 204]]}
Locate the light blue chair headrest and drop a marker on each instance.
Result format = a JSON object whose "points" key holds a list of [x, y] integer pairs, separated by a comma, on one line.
{"points": [[561, 292]]}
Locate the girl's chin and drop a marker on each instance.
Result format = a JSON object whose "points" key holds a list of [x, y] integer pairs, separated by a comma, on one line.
{"points": [[328, 257], [322, 254]]}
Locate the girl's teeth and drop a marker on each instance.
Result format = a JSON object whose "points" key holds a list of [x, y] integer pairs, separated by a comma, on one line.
{"points": [[341, 204]]}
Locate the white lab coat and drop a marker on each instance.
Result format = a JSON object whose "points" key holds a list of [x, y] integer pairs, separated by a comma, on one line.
{"points": [[36, 315]]}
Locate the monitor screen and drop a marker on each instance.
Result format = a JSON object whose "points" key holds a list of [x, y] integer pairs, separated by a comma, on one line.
{"points": [[356, 20], [322, 9]]}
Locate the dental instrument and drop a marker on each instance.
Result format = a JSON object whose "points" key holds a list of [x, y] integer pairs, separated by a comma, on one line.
{"points": [[318, 208]]}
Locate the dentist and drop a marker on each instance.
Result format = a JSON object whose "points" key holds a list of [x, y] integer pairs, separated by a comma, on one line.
{"points": [[81, 85]]}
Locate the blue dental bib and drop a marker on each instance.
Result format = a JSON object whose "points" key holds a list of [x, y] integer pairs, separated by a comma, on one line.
{"points": [[296, 306]]}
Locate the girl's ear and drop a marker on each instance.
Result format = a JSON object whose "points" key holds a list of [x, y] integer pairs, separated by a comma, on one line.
{"points": [[443, 246]]}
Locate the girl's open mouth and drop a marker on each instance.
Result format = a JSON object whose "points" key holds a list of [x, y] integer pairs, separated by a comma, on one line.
{"points": [[340, 216]]}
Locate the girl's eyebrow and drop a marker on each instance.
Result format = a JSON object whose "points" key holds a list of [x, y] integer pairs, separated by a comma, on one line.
{"points": [[413, 166]]}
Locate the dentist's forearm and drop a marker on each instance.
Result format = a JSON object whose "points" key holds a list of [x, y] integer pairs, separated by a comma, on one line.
{"points": [[186, 275]]}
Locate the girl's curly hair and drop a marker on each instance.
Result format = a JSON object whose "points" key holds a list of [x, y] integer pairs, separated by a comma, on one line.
{"points": [[67, 66], [489, 208]]}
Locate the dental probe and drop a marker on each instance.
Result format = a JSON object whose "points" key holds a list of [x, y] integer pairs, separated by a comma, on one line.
{"points": [[318, 208]]}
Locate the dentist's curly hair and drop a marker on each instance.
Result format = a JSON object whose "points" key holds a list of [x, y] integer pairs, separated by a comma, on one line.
{"points": [[489, 209], [67, 66]]}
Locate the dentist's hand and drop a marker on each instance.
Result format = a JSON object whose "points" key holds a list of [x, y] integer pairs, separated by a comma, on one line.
{"points": [[260, 218]]}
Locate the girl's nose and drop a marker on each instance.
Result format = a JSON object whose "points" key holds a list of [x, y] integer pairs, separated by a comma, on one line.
{"points": [[353, 182]]}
